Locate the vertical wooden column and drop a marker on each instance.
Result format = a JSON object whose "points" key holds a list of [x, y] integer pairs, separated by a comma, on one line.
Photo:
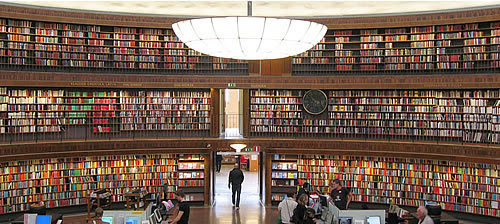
{"points": [[215, 112], [267, 177], [207, 171], [246, 112]]}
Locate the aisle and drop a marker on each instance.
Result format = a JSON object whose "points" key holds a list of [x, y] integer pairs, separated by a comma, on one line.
{"points": [[250, 209]]}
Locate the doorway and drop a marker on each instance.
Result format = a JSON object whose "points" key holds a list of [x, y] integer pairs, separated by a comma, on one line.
{"points": [[250, 195], [232, 113]]}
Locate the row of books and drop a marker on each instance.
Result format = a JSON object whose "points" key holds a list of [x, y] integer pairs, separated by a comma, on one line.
{"points": [[405, 180], [28, 181]]}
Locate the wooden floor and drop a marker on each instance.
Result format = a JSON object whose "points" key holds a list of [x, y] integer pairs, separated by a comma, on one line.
{"points": [[251, 211]]}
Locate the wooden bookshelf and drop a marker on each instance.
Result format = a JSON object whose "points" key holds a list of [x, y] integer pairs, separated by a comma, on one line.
{"points": [[284, 177], [61, 182], [49, 113], [457, 186], [435, 49], [47, 46], [275, 111], [424, 115], [192, 177]]}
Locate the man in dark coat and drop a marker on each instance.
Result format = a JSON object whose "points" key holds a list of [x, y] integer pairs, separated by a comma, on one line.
{"points": [[236, 177]]}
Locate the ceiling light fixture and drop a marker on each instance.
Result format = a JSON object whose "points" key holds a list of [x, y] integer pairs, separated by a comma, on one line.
{"points": [[238, 147], [248, 37]]}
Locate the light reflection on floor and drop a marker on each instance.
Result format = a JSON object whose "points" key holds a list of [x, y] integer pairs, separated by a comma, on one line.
{"points": [[250, 211]]}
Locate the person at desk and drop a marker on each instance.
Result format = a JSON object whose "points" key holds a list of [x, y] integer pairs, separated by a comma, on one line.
{"points": [[423, 217], [305, 189], [98, 216], [299, 213], [286, 207], [341, 196], [183, 214]]}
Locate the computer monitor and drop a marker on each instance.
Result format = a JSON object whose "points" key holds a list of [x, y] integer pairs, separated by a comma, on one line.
{"points": [[345, 220], [333, 213], [157, 215], [152, 219], [108, 219], [373, 220], [132, 220], [323, 200], [43, 219]]}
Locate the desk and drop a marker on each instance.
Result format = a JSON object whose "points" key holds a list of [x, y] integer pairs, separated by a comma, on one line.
{"points": [[100, 198], [444, 217], [448, 219], [134, 199], [54, 218]]}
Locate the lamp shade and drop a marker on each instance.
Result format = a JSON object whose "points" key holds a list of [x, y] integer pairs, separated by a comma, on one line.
{"points": [[238, 147], [248, 37]]}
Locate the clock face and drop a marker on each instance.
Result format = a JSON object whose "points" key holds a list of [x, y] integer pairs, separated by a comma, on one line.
{"points": [[315, 101]]}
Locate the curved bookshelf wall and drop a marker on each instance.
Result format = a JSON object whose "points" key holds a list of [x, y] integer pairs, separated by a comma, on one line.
{"points": [[27, 45], [34, 114], [458, 186], [61, 182], [408, 115], [449, 47], [43, 52], [438, 49]]}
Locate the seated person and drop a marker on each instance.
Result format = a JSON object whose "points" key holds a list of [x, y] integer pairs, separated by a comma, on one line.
{"points": [[309, 219], [299, 214], [286, 207], [98, 216], [305, 189], [423, 217], [182, 216]]}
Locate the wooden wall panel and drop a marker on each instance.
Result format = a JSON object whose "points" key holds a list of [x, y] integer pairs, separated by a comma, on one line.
{"points": [[276, 67], [451, 81], [265, 68], [254, 67], [287, 66], [426, 150]]}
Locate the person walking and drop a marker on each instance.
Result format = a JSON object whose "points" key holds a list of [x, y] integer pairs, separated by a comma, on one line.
{"points": [[236, 177], [218, 162]]}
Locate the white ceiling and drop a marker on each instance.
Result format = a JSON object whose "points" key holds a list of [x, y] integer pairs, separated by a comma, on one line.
{"points": [[264, 8]]}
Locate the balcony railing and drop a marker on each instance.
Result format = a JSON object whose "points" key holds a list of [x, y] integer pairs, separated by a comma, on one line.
{"points": [[233, 128]]}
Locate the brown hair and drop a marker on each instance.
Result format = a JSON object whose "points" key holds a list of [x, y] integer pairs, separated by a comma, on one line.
{"points": [[180, 193], [303, 199], [99, 212]]}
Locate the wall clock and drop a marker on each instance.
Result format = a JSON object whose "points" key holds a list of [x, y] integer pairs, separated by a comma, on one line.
{"points": [[315, 101]]}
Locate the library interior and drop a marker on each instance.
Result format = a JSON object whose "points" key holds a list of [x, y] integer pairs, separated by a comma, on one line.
{"points": [[107, 115]]}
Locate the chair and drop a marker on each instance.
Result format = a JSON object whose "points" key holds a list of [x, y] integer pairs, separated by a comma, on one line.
{"points": [[434, 211], [37, 209]]}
